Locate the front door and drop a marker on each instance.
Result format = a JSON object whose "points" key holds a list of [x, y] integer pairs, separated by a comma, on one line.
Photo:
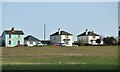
{"points": [[18, 42]]}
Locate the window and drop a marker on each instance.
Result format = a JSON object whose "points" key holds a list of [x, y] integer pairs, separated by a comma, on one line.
{"points": [[18, 42], [18, 36], [9, 35], [67, 36], [93, 36], [31, 42], [9, 42]]}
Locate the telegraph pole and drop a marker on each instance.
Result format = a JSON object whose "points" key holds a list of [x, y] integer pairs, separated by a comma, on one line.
{"points": [[44, 31]]}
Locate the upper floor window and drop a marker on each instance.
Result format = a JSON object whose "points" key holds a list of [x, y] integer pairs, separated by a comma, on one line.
{"points": [[9, 35], [18, 36], [54, 38], [93, 36], [67, 36]]}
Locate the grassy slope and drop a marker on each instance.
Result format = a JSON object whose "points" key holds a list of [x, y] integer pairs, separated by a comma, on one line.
{"points": [[84, 57]]}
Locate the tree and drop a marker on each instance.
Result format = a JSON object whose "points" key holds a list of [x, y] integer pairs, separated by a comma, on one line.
{"points": [[98, 41], [109, 41]]}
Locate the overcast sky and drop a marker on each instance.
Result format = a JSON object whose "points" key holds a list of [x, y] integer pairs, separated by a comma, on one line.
{"points": [[73, 17]]}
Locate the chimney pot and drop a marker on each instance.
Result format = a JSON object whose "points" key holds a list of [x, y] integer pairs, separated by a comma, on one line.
{"points": [[12, 29], [59, 31], [86, 31]]}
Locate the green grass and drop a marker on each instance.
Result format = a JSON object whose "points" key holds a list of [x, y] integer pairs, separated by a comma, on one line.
{"points": [[59, 67], [60, 58]]}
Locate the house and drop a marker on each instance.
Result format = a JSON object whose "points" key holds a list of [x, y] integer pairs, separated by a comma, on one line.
{"points": [[31, 41], [89, 37], [61, 37], [12, 38]]}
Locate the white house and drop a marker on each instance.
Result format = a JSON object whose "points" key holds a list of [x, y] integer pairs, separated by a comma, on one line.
{"points": [[88, 37], [61, 37], [31, 41]]}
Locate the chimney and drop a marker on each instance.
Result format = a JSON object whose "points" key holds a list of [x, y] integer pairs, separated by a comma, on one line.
{"points": [[59, 31], [86, 31], [12, 29]]}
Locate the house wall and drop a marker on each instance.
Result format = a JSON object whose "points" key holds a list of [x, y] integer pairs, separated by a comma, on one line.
{"points": [[14, 40], [82, 39], [55, 39], [66, 37], [31, 43], [94, 38], [60, 39], [87, 39]]}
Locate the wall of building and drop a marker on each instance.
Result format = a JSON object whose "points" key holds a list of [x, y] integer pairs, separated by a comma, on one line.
{"points": [[14, 40], [55, 39], [82, 39], [87, 39], [66, 37], [60, 39], [93, 38], [31, 43]]}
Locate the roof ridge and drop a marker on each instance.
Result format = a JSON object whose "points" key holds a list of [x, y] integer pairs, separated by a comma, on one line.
{"points": [[30, 37], [61, 33], [89, 33]]}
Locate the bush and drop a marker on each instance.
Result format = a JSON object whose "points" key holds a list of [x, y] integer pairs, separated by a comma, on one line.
{"points": [[109, 41]]}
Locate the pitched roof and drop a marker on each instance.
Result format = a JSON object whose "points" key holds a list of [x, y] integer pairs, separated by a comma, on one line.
{"points": [[31, 38], [61, 33], [12, 31], [88, 34]]}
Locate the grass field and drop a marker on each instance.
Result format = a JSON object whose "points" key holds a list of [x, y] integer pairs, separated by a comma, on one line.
{"points": [[60, 58]]}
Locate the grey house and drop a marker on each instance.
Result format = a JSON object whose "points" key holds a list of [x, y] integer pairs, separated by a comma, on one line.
{"points": [[31, 40]]}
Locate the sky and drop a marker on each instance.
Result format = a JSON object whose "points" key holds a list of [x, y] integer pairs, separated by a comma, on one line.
{"points": [[72, 17], [60, 0], [0, 17]]}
